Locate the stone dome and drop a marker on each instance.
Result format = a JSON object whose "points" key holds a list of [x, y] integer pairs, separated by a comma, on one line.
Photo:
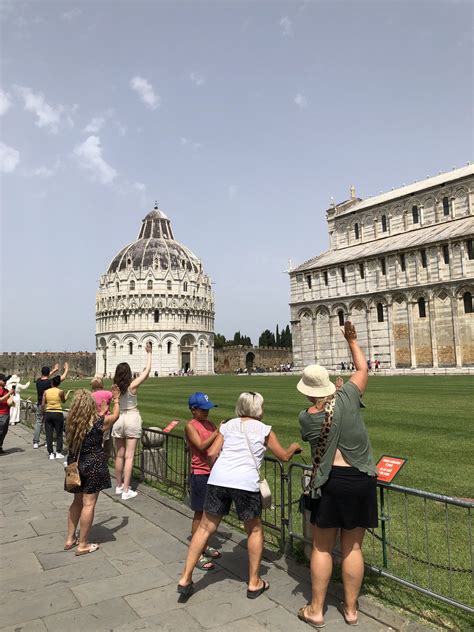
{"points": [[155, 247]]}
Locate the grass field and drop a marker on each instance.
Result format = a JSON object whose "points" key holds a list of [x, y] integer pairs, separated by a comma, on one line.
{"points": [[428, 420]]}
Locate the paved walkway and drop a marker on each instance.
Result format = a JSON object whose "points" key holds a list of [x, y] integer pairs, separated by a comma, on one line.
{"points": [[130, 583]]}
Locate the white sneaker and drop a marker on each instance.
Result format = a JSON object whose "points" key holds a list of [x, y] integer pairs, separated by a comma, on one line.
{"points": [[51, 457], [129, 494], [35, 446], [119, 489], [59, 455]]}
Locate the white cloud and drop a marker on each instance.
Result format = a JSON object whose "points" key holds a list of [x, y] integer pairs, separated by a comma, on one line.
{"points": [[145, 91], [301, 101], [72, 14], [89, 154], [232, 191], [49, 117], [286, 26], [43, 171], [183, 141], [197, 78], [5, 102], [95, 125], [9, 158], [139, 186]]}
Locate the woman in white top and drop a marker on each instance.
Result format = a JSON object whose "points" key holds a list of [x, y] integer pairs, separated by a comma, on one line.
{"points": [[234, 478], [128, 429]]}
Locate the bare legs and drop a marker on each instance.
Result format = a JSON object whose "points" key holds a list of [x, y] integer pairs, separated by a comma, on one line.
{"points": [[125, 452], [81, 511], [321, 570], [206, 527]]}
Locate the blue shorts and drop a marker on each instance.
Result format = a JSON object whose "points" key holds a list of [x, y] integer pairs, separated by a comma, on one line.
{"points": [[198, 488]]}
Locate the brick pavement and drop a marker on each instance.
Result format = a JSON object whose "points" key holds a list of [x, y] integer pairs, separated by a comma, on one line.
{"points": [[130, 583]]}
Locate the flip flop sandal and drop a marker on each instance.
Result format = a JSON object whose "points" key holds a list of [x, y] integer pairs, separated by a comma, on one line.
{"points": [[253, 594], [205, 564], [92, 549], [68, 547], [342, 610], [302, 617], [214, 554], [185, 592]]}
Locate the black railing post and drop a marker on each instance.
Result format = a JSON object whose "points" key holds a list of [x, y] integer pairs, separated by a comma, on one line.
{"points": [[383, 517]]}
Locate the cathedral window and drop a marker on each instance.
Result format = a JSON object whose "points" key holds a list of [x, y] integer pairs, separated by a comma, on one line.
{"points": [[446, 253], [380, 313], [156, 316], [383, 267], [445, 206], [130, 348], [308, 281], [361, 270], [132, 285], [403, 265], [421, 307], [470, 248], [424, 262], [415, 214], [343, 274], [384, 223], [356, 231], [168, 347], [340, 315], [467, 299], [325, 275], [149, 285]]}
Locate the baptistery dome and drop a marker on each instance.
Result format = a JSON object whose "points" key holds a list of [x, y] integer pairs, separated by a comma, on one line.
{"points": [[155, 289]]}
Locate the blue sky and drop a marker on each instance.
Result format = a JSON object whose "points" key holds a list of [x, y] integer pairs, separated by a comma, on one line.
{"points": [[241, 118]]}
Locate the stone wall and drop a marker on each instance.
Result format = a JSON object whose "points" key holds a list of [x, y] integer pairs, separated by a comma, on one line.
{"points": [[28, 365], [234, 358]]}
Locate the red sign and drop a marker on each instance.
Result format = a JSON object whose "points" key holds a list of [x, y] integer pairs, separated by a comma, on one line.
{"points": [[388, 467], [170, 426]]}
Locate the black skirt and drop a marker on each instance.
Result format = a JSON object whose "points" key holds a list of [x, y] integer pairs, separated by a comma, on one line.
{"points": [[348, 500]]}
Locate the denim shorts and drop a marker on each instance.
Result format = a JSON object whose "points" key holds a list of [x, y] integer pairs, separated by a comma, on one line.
{"points": [[219, 499], [198, 487]]}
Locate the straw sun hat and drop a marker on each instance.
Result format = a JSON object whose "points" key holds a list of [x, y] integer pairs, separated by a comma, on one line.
{"points": [[315, 382]]}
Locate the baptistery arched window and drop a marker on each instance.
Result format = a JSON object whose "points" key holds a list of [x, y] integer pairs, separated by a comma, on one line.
{"points": [[445, 206], [384, 223], [421, 307], [149, 285], [168, 346], [130, 348], [132, 285], [467, 300], [415, 214], [380, 317], [340, 315], [356, 231], [156, 316]]}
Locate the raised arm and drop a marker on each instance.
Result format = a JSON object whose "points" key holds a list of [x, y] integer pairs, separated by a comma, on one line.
{"points": [[281, 453], [6, 396], [192, 435], [65, 370], [109, 420], [146, 371], [361, 375]]}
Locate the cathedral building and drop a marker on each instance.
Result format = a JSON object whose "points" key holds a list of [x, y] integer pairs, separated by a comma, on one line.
{"points": [[155, 289], [400, 266]]}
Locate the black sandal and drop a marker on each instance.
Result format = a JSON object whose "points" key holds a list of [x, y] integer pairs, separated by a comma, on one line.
{"points": [[185, 591], [253, 594]]}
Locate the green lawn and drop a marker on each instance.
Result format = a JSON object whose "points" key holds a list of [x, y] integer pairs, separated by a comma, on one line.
{"points": [[429, 420]]}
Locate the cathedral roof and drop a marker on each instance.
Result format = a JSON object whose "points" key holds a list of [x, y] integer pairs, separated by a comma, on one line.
{"points": [[463, 227], [155, 247]]}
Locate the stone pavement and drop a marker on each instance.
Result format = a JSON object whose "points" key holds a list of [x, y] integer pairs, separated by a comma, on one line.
{"points": [[130, 583]]}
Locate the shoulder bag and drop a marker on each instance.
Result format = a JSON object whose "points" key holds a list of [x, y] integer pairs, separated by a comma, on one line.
{"points": [[73, 478], [307, 480], [265, 491]]}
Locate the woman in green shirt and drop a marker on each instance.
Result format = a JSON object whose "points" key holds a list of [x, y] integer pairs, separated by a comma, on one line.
{"points": [[343, 494]]}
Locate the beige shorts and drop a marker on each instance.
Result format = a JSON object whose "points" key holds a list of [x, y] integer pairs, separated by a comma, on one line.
{"points": [[128, 425]]}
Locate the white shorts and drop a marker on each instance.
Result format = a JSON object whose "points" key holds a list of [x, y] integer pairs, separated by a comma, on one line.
{"points": [[128, 425]]}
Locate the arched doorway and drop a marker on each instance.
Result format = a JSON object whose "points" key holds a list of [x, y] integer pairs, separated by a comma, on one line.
{"points": [[249, 360], [187, 346]]}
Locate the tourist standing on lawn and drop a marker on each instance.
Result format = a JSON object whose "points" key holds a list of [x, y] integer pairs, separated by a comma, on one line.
{"points": [[43, 383], [85, 428], [240, 447], [52, 404], [200, 433], [128, 429], [343, 490]]}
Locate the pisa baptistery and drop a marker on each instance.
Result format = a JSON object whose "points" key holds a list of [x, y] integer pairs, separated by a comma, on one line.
{"points": [[155, 289]]}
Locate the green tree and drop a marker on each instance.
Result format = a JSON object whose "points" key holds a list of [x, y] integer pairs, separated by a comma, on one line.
{"points": [[267, 339], [219, 341], [277, 337]]}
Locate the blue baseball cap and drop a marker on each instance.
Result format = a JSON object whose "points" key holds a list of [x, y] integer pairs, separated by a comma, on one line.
{"points": [[200, 400]]}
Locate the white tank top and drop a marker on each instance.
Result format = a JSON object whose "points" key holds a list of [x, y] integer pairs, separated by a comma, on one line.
{"points": [[127, 401]]}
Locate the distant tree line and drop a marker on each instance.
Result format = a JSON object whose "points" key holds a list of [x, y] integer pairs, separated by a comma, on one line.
{"points": [[266, 339]]}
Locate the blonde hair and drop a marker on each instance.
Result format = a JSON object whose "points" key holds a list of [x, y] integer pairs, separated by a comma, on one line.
{"points": [[249, 404], [97, 383], [80, 419]]}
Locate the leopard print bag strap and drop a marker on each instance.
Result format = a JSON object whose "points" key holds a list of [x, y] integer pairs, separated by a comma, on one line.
{"points": [[322, 443]]}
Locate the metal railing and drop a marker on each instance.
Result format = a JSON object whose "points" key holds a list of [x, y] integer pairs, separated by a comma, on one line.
{"points": [[424, 540]]}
